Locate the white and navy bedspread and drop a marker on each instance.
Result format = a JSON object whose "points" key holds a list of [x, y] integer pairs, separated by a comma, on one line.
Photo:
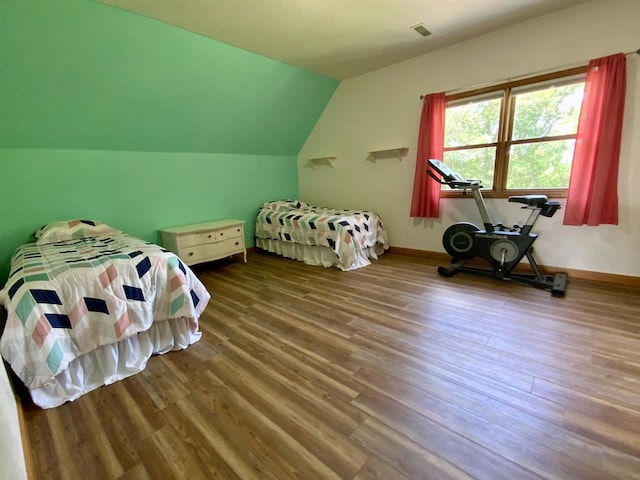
{"points": [[347, 232], [66, 299]]}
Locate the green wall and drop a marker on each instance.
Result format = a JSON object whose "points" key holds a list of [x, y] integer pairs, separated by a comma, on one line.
{"points": [[110, 115], [83, 75], [137, 192]]}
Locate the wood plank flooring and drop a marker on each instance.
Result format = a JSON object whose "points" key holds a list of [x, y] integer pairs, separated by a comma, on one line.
{"points": [[386, 372]]}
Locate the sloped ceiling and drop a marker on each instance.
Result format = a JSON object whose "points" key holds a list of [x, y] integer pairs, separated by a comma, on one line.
{"points": [[339, 38], [77, 74]]}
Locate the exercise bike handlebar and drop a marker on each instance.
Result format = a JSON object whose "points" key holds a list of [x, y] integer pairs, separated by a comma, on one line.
{"points": [[454, 184]]}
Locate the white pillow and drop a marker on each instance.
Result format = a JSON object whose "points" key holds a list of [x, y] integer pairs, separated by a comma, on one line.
{"points": [[72, 230], [284, 205]]}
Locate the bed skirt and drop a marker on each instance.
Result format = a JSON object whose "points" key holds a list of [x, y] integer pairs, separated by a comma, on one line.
{"points": [[318, 255], [114, 362]]}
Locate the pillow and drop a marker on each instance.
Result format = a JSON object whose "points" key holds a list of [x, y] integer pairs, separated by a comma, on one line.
{"points": [[72, 230], [284, 205]]}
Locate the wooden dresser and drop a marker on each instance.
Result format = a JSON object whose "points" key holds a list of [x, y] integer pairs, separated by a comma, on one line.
{"points": [[204, 242]]}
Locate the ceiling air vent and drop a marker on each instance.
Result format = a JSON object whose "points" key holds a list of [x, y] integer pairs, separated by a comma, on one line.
{"points": [[421, 29]]}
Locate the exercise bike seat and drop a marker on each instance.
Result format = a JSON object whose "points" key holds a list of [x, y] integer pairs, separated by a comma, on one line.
{"points": [[536, 201]]}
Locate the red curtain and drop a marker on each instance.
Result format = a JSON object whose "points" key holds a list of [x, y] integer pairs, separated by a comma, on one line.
{"points": [[426, 193], [593, 186]]}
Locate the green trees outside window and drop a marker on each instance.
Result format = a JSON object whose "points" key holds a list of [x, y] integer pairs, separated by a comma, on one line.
{"points": [[516, 138]]}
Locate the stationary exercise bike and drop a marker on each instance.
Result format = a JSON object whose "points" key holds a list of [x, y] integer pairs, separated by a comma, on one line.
{"points": [[503, 248]]}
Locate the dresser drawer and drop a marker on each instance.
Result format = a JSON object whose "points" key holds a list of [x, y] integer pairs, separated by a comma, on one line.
{"points": [[231, 232], [197, 238], [209, 251]]}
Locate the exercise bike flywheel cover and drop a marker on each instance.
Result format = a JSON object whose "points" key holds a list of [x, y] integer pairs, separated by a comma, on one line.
{"points": [[458, 240]]}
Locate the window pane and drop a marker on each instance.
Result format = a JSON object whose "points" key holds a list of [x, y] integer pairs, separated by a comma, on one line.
{"points": [[540, 165], [543, 113], [475, 163], [472, 124]]}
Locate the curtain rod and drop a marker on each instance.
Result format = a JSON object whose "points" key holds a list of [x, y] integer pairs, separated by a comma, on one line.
{"points": [[540, 72]]}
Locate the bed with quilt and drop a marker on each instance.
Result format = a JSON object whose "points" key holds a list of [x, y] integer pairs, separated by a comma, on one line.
{"points": [[88, 305], [346, 239]]}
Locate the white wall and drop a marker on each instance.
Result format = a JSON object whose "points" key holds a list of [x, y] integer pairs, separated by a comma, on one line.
{"points": [[382, 109], [11, 453]]}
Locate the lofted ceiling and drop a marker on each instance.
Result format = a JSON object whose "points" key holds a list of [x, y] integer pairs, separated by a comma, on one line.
{"points": [[341, 38]]}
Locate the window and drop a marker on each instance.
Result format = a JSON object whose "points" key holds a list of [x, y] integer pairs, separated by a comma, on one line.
{"points": [[516, 137]]}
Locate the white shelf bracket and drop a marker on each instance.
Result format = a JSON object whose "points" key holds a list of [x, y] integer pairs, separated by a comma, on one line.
{"points": [[398, 153], [314, 162]]}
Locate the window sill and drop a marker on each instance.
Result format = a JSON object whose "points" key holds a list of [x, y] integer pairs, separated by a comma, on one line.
{"points": [[556, 193]]}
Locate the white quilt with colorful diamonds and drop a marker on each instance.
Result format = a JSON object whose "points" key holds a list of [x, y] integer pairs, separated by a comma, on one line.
{"points": [[66, 299], [347, 232]]}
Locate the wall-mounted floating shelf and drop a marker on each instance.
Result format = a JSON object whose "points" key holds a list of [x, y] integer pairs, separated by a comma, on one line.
{"points": [[388, 153], [314, 162]]}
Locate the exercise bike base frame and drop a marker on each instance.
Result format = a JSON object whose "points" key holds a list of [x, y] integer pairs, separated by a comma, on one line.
{"points": [[556, 284]]}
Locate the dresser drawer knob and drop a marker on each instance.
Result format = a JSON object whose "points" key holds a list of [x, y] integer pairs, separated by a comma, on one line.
{"points": [[190, 254], [237, 243], [209, 236], [221, 233]]}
